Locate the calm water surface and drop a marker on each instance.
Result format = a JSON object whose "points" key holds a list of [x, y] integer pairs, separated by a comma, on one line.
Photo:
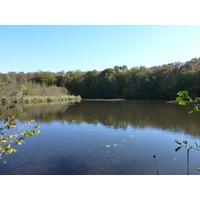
{"points": [[74, 139]]}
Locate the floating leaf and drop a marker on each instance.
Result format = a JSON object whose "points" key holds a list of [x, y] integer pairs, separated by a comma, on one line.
{"points": [[108, 145], [115, 145], [132, 136], [177, 148], [175, 158], [124, 140]]}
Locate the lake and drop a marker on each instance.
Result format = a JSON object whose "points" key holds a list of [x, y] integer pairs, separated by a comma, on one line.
{"points": [[106, 138]]}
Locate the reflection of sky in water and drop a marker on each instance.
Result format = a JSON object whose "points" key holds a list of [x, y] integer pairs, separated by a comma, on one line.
{"points": [[70, 148], [106, 138]]}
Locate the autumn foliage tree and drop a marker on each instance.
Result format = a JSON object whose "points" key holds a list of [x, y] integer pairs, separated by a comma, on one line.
{"points": [[157, 82]]}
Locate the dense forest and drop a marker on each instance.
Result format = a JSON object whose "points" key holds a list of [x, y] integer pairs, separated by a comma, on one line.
{"points": [[157, 82]]}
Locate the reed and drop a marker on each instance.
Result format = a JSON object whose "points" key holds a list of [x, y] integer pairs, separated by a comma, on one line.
{"points": [[39, 99]]}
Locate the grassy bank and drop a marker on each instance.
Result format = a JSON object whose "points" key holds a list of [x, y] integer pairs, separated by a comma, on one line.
{"points": [[39, 99]]}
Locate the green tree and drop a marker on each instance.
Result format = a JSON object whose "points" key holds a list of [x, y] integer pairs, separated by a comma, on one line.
{"points": [[109, 86], [90, 84], [46, 77]]}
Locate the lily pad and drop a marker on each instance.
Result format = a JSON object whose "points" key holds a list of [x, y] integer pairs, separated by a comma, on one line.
{"points": [[108, 145], [115, 145], [132, 135], [124, 140]]}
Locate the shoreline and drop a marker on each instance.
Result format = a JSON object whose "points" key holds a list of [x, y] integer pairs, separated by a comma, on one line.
{"points": [[39, 99]]}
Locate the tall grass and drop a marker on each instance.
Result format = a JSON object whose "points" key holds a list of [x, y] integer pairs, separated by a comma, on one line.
{"points": [[31, 92]]}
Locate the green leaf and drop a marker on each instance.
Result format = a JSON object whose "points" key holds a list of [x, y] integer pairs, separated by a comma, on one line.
{"points": [[124, 140], [132, 136], [10, 151], [183, 103], [38, 126], [7, 119], [197, 100], [188, 147], [184, 142], [35, 131], [1, 149], [3, 140], [185, 94], [198, 168], [3, 133], [191, 112], [11, 115], [177, 148], [179, 93], [10, 136], [179, 99], [108, 145], [175, 158], [20, 139], [177, 142], [115, 145]]}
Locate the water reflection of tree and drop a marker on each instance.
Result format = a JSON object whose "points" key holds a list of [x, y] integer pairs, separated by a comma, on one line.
{"points": [[117, 115]]}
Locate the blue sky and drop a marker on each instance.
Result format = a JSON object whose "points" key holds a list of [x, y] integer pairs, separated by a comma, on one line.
{"points": [[89, 47]]}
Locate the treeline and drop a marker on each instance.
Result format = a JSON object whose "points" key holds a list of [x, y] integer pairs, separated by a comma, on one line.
{"points": [[158, 82]]}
